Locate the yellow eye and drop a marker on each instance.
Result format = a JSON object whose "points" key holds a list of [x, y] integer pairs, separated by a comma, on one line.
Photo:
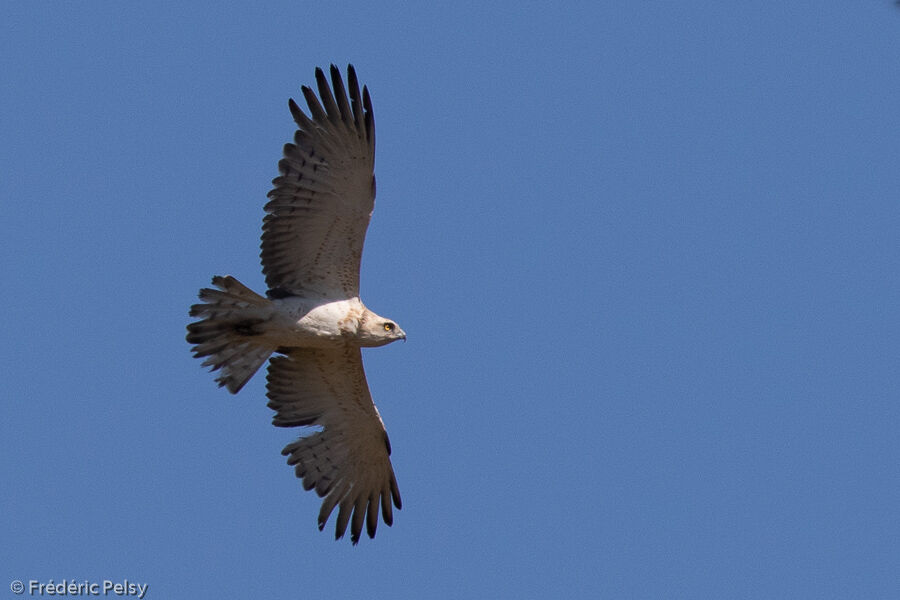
{"points": [[388, 326]]}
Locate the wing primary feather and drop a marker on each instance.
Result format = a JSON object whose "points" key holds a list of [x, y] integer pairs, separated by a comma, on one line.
{"points": [[299, 116], [340, 95], [387, 513], [327, 97], [318, 114], [370, 118], [372, 515], [355, 100], [327, 508], [395, 492], [330, 502], [344, 512], [359, 517]]}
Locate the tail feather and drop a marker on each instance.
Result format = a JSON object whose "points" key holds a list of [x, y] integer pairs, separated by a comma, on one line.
{"points": [[227, 332]]}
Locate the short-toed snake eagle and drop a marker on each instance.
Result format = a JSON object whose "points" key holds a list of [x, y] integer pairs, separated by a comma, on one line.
{"points": [[311, 317]]}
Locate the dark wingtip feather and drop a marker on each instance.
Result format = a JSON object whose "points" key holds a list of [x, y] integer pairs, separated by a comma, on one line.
{"points": [[340, 96], [359, 516], [367, 100], [315, 109], [296, 111], [369, 117], [309, 96], [386, 512], [372, 516], [355, 100], [395, 493], [325, 94], [343, 518]]}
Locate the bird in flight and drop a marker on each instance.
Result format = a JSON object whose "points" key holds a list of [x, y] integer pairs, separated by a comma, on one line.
{"points": [[311, 317]]}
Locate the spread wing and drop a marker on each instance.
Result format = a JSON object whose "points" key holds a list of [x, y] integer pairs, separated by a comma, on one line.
{"points": [[347, 462], [320, 206]]}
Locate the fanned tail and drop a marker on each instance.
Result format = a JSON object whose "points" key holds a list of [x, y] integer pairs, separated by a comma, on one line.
{"points": [[228, 333]]}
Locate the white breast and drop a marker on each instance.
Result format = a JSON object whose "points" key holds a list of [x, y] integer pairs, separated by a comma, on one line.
{"points": [[306, 322]]}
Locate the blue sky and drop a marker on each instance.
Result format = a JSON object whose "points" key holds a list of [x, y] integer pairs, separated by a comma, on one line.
{"points": [[646, 255]]}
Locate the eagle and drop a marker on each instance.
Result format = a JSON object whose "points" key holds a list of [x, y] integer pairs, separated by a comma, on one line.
{"points": [[311, 318]]}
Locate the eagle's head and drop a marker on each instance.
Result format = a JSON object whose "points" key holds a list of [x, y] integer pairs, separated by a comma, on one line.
{"points": [[374, 330]]}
